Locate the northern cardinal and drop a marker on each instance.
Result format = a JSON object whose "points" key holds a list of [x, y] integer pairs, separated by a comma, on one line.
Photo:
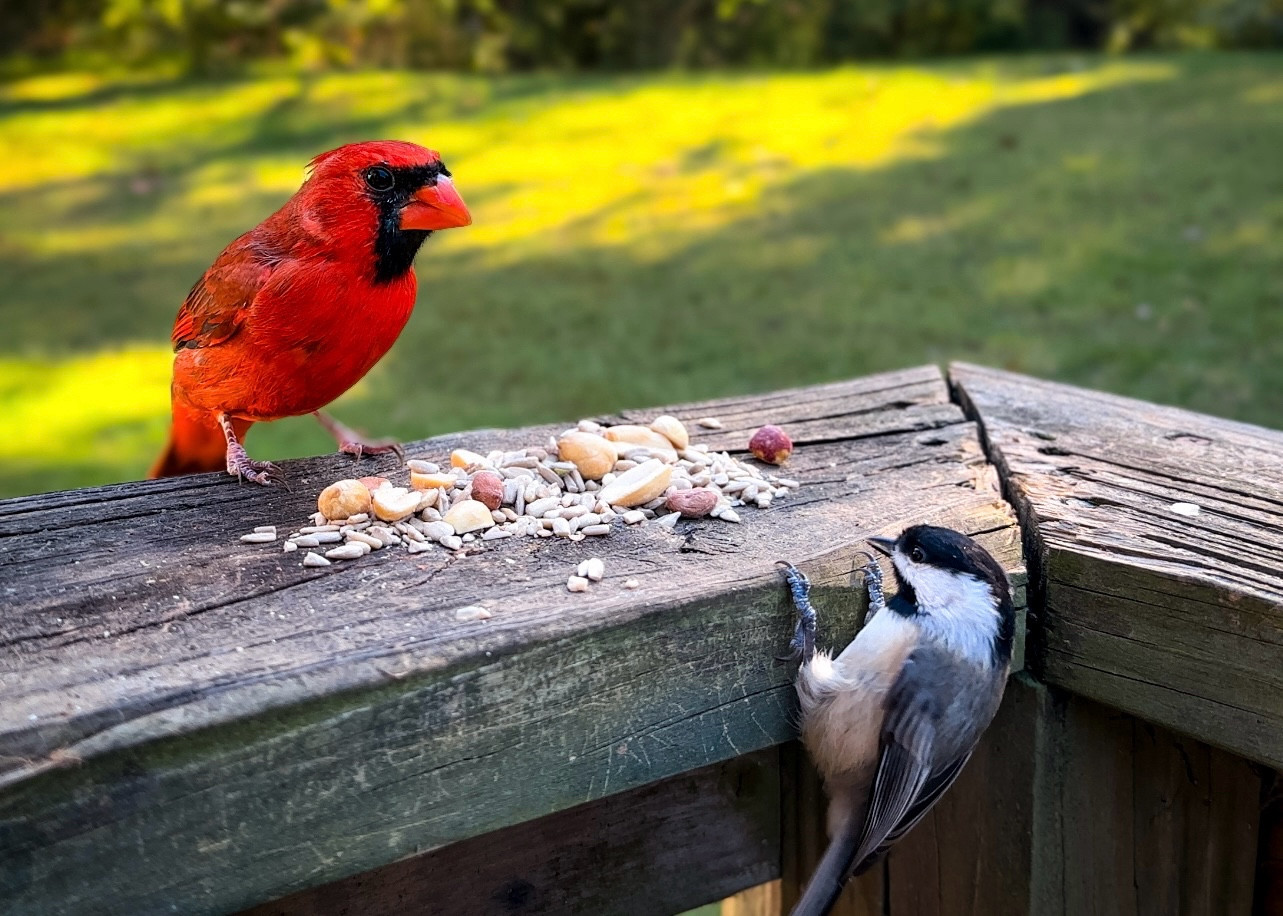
{"points": [[295, 311]]}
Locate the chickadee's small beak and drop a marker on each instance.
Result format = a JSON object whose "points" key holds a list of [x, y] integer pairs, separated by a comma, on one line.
{"points": [[436, 206], [886, 545]]}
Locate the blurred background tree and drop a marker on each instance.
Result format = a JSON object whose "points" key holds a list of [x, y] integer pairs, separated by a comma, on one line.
{"points": [[673, 200], [217, 36]]}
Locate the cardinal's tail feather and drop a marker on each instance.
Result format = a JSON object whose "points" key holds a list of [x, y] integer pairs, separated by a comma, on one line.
{"points": [[196, 444], [831, 874]]}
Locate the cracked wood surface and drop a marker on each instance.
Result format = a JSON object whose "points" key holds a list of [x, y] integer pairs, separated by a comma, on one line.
{"points": [[1176, 619], [193, 722]]}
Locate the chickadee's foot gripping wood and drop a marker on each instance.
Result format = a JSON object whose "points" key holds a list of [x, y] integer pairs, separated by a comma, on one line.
{"points": [[353, 443], [802, 645], [873, 581]]}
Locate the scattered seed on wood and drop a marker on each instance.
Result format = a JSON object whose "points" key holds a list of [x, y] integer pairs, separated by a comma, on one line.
{"points": [[353, 551], [576, 584], [472, 612], [315, 559], [594, 569], [259, 537]]}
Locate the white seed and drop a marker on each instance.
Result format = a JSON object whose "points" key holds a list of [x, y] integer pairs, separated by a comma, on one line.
{"points": [[1187, 509], [420, 546], [631, 583], [595, 569], [495, 534], [670, 520], [360, 537], [289, 547], [438, 531], [423, 467], [264, 529], [576, 584], [594, 531], [471, 612], [315, 559], [454, 542], [307, 540], [414, 534], [326, 537], [709, 422], [561, 527], [540, 507], [634, 517], [358, 518], [317, 529], [729, 515], [259, 537], [351, 551]]}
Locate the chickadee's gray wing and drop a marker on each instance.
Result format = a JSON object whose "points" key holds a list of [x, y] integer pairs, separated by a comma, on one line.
{"points": [[936, 786], [908, 780]]}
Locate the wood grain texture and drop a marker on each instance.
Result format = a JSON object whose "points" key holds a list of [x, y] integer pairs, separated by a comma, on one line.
{"points": [[238, 728], [660, 848], [1070, 808], [1176, 619]]}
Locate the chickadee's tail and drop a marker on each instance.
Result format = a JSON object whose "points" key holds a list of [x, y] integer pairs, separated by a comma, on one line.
{"points": [[831, 875]]}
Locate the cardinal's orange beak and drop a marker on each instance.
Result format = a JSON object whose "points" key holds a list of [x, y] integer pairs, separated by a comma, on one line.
{"points": [[436, 207]]}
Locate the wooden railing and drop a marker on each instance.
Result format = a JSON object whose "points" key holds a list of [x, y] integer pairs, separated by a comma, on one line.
{"points": [[191, 724]]}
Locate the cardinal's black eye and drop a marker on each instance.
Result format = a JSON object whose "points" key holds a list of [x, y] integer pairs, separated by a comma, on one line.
{"points": [[917, 555], [380, 179]]}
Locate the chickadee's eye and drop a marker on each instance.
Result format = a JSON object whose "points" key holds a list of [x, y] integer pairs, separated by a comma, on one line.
{"points": [[380, 179], [917, 555]]}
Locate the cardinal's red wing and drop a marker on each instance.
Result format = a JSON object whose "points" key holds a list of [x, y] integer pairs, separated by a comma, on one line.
{"points": [[216, 307]]}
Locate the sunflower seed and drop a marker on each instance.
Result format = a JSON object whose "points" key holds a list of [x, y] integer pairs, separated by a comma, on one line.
{"points": [[360, 537], [350, 551], [471, 612]]}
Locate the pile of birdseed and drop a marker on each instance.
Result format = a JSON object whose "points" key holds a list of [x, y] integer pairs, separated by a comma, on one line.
{"points": [[591, 481]]}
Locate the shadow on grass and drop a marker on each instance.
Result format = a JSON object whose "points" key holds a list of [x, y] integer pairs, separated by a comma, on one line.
{"points": [[1127, 239]]}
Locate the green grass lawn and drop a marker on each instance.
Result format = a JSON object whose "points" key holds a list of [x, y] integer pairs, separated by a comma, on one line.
{"points": [[1117, 223]]}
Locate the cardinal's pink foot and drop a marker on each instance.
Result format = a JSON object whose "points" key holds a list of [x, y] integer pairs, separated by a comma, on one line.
{"points": [[239, 463], [353, 443]]}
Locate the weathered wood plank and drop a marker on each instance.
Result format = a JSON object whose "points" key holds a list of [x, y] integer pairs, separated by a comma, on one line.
{"points": [[662, 848], [272, 728], [1176, 619], [1068, 808]]}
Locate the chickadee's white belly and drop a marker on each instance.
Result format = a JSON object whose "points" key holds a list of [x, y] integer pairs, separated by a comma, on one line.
{"points": [[843, 699]]}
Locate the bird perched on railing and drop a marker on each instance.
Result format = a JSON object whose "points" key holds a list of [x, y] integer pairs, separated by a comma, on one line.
{"points": [[297, 310], [892, 720]]}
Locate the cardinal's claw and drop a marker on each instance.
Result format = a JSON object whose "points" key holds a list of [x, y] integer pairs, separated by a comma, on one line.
{"points": [[242, 466], [353, 443], [359, 447], [802, 645]]}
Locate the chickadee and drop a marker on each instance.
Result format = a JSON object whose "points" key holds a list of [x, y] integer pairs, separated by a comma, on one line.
{"points": [[892, 720]]}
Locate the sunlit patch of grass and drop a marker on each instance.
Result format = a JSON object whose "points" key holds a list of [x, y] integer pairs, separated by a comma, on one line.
{"points": [[646, 239], [99, 413]]}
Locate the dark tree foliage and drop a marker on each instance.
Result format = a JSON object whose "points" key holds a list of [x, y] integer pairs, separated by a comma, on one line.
{"points": [[499, 35]]}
